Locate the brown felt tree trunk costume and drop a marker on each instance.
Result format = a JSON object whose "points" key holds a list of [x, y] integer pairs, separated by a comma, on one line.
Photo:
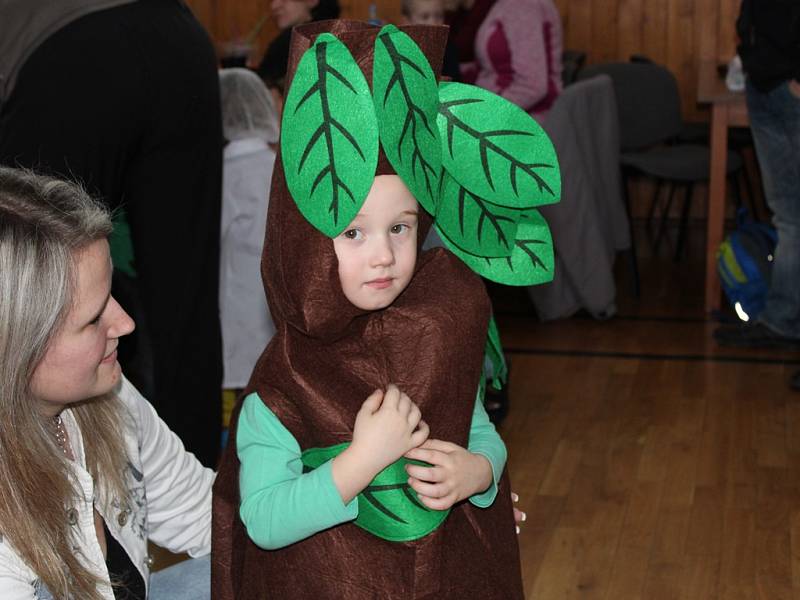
{"points": [[325, 359]]}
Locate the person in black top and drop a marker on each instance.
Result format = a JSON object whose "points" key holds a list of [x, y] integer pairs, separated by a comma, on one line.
{"points": [[287, 14], [769, 32], [125, 101]]}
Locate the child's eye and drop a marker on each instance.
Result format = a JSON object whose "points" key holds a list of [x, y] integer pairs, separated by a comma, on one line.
{"points": [[352, 234], [399, 228]]}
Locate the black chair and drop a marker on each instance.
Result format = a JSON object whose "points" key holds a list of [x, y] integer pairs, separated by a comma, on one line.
{"points": [[739, 139], [571, 62], [650, 120]]}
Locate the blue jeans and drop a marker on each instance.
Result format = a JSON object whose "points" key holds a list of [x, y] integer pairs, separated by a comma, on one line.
{"points": [[775, 122], [187, 580]]}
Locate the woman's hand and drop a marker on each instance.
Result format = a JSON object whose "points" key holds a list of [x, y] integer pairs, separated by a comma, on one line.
{"points": [[454, 475], [387, 426]]}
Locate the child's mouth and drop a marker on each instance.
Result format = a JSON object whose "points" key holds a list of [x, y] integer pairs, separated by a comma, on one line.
{"points": [[379, 284]]}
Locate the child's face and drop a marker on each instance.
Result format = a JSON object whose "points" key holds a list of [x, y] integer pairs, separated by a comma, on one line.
{"points": [[426, 12], [378, 251]]}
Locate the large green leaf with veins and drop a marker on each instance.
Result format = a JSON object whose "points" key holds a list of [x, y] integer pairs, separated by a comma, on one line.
{"points": [[531, 262], [329, 137], [473, 224], [406, 98], [495, 149], [388, 507]]}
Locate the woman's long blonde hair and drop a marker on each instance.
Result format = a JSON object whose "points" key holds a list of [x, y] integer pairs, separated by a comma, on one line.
{"points": [[44, 223]]}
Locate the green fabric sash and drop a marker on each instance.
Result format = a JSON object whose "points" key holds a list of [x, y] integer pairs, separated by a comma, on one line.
{"points": [[388, 507]]}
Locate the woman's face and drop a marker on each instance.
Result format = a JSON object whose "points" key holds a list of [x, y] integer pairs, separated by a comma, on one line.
{"points": [[81, 358], [288, 13]]}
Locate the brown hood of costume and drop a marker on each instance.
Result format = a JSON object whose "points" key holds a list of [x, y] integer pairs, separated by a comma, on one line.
{"points": [[325, 359]]}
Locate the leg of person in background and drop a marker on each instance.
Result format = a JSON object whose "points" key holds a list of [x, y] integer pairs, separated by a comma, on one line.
{"points": [[775, 122], [126, 101]]}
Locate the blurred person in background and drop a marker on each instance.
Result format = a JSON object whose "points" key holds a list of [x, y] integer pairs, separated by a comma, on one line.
{"points": [[769, 34], [286, 14], [123, 97], [518, 54], [250, 126], [431, 12]]}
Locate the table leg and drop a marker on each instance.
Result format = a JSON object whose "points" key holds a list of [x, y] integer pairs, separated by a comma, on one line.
{"points": [[716, 202]]}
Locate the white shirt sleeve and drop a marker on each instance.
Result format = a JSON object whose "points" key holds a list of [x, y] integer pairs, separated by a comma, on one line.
{"points": [[16, 579], [177, 485]]}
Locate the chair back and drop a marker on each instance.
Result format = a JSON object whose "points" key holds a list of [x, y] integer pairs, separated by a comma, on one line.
{"points": [[648, 102], [571, 62], [590, 223]]}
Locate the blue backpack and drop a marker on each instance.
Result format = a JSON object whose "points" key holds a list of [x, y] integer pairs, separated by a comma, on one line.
{"points": [[744, 262]]}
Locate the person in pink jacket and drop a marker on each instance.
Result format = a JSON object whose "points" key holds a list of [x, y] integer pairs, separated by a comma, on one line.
{"points": [[518, 54]]}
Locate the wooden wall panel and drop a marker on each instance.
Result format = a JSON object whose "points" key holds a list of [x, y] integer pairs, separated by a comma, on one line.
{"points": [[676, 33], [604, 21], [630, 27]]}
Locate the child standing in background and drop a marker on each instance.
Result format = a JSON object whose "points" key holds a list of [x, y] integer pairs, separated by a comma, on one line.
{"points": [[250, 126], [431, 12]]}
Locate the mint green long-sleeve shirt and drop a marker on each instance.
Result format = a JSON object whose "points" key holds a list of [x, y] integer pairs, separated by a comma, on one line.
{"points": [[282, 505]]}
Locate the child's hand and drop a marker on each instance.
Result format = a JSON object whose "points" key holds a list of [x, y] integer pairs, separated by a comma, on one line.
{"points": [[456, 473], [386, 429], [387, 426]]}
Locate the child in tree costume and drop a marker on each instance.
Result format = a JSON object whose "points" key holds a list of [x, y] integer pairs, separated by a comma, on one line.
{"points": [[365, 102]]}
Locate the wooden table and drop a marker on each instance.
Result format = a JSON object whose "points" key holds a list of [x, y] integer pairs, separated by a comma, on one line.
{"points": [[728, 109]]}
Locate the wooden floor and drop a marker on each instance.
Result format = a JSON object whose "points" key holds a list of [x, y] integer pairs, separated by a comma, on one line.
{"points": [[651, 463]]}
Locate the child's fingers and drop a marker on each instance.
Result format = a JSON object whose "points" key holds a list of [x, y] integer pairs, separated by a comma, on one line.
{"points": [[440, 445], [420, 434], [404, 404], [433, 457], [429, 474], [391, 397], [432, 490], [373, 402], [414, 415], [437, 503]]}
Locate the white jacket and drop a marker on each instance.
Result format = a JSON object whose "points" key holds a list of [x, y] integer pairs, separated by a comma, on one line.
{"points": [[246, 323], [171, 501]]}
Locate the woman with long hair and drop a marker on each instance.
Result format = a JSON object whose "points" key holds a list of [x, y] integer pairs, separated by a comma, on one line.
{"points": [[89, 472]]}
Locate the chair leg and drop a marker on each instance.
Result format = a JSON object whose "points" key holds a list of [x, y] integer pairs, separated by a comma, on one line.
{"points": [[653, 204], [748, 185], [737, 193], [687, 203], [632, 257], [664, 216]]}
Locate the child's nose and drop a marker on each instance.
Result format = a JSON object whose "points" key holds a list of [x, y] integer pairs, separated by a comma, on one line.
{"points": [[382, 255]]}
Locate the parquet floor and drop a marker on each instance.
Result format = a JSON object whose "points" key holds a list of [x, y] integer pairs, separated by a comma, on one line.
{"points": [[652, 464]]}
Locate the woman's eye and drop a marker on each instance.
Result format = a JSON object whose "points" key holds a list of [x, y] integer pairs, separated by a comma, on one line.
{"points": [[352, 234], [399, 228], [96, 320]]}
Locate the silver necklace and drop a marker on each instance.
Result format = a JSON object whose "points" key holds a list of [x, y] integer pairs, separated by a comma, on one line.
{"points": [[60, 434]]}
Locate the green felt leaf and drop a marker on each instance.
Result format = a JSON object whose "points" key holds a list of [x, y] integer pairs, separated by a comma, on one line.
{"points": [[473, 224], [494, 355], [406, 98], [329, 137], [495, 149], [530, 263], [388, 507]]}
